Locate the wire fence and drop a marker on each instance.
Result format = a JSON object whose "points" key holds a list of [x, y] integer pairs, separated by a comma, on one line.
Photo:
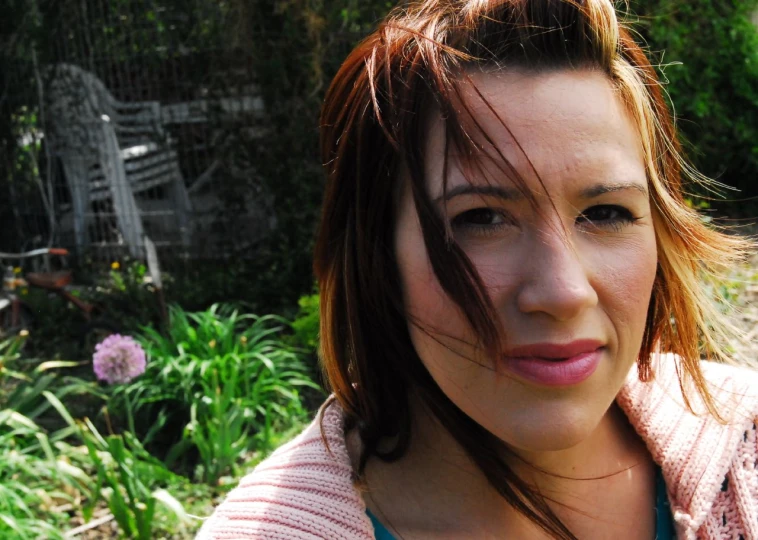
{"points": [[127, 118]]}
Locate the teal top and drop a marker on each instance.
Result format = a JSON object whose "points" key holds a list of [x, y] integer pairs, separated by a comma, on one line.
{"points": [[380, 531], [664, 522]]}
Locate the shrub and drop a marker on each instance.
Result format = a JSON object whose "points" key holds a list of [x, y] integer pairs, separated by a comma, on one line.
{"points": [[28, 481], [709, 54], [226, 379], [125, 477], [33, 480], [306, 323]]}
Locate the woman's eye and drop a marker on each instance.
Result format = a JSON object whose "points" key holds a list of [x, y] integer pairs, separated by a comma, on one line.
{"points": [[480, 220], [606, 215]]}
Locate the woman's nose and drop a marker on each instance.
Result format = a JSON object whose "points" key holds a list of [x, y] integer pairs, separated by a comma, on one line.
{"points": [[555, 281]]}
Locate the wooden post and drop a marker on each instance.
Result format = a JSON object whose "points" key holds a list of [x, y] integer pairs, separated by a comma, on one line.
{"points": [[155, 274]]}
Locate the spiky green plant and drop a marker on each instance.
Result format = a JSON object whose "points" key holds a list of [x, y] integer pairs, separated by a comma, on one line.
{"points": [[228, 377]]}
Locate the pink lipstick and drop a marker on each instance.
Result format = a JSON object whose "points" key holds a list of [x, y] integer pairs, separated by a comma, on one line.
{"points": [[551, 364]]}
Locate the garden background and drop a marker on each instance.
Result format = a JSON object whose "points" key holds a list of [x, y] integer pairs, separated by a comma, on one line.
{"points": [[221, 99]]}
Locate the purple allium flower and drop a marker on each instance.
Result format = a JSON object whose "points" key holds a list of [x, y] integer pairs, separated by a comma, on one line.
{"points": [[118, 359]]}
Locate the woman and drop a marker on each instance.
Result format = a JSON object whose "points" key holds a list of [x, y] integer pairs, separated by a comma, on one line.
{"points": [[512, 316]]}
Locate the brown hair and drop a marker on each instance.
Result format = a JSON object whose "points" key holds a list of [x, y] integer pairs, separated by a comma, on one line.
{"points": [[372, 121]]}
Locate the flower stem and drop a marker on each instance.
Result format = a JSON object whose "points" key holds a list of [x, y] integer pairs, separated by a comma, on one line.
{"points": [[129, 415]]}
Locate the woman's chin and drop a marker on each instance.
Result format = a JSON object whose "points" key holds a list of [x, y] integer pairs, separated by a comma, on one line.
{"points": [[555, 442], [551, 431]]}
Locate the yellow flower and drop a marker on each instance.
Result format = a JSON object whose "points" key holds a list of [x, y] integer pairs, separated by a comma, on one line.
{"points": [[212, 344], [17, 270], [243, 340], [24, 291], [115, 265]]}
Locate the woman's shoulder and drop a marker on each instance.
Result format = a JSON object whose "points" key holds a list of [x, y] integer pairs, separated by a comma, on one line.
{"points": [[734, 390], [303, 490], [709, 463]]}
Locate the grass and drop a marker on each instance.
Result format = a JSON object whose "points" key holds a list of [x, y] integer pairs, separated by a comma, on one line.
{"points": [[222, 388]]}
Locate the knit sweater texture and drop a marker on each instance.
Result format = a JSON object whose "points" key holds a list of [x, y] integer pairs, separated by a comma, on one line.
{"points": [[305, 491]]}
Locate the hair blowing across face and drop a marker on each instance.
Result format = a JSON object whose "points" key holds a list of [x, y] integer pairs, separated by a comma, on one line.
{"points": [[374, 117]]}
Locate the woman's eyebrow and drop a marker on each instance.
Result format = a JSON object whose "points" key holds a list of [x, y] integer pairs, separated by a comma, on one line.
{"points": [[601, 189], [514, 194], [502, 192]]}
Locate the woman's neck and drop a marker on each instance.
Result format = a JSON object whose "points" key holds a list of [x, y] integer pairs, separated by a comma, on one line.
{"points": [[437, 485]]}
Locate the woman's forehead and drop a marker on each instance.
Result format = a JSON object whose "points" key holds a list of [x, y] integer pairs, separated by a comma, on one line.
{"points": [[568, 126]]}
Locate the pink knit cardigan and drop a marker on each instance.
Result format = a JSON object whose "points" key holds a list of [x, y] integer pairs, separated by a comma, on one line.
{"points": [[711, 470]]}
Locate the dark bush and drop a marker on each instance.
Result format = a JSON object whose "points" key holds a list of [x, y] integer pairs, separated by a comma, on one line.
{"points": [[708, 52]]}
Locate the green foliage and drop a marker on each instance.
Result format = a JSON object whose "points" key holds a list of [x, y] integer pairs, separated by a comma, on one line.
{"points": [[32, 479], [125, 477], [126, 295], [10, 351], [230, 382], [125, 473], [124, 300], [226, 378], [709, 55], [57, 326], [23, 383], [306, 323], [201, 283]]}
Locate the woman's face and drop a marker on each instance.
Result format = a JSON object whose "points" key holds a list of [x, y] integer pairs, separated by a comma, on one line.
{"points": [[570, 282]]}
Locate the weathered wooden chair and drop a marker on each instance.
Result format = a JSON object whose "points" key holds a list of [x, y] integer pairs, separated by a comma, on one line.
{"points": [[116, 151]]}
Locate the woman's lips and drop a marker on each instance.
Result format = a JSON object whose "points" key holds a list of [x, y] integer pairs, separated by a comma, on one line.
{"points": [[551, 364]]}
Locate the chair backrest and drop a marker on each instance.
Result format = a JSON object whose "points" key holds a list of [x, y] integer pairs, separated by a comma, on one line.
{"points": [[155, 167], [138, 123], [79, 102], [76, 97]]}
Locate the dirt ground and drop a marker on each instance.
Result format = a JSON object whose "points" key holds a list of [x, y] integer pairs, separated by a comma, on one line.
{"points": [[745, 291]]}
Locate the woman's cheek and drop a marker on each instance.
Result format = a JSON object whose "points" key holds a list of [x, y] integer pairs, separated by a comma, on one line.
{"points": [[423, 296], [624, 281]]}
